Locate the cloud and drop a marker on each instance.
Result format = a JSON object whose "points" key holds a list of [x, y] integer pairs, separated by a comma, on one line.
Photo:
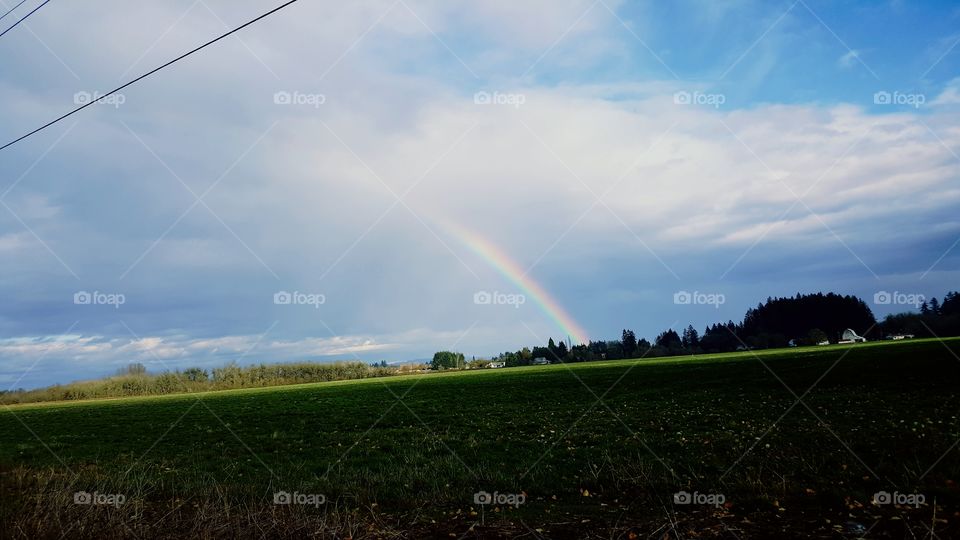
{"points": [[31, 360], [167, 352], [849, 59], [13, 242], [950, 94]]}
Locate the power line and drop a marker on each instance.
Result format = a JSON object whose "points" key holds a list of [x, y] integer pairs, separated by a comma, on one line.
{"points": [[11, 10], [24, 17], [147, 74]]}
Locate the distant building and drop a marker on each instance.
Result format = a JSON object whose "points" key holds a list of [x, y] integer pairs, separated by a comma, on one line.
{"points": [[498, 364], [540, 361], [849, 336]]}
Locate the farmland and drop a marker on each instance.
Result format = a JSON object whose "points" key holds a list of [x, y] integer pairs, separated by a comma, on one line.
{"points": [[784, 442]]}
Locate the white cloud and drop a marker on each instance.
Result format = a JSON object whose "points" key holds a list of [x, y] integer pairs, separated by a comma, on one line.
{"points": [[13, 242], [177, 350], [849, 59], [950, 94]]}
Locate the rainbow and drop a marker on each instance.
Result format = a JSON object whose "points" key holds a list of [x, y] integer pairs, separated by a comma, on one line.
{"points": [[513, 272]]}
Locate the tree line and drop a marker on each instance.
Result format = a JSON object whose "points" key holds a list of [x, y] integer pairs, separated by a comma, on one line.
{"points": [[133, 380], [935, 318], [801, 320]]}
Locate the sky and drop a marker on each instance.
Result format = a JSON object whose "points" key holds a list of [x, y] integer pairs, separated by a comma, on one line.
{"points": [[379, 180]]}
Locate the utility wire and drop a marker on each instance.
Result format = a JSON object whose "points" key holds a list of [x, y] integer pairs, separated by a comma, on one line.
{"points": [[11, 10], [24, 17], [147, 74]]}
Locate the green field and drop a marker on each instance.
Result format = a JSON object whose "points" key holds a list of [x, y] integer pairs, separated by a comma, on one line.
{"points": [[596, 450]]}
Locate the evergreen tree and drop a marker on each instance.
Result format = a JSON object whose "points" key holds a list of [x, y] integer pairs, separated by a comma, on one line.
{"points": [[670, 340], [629, 343], [691, 339]]}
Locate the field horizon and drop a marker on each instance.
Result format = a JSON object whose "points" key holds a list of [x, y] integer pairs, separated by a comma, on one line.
{"points": [[476, 371]]}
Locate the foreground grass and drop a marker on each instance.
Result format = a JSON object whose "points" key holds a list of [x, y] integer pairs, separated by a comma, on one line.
{"points": [[595, 448]]}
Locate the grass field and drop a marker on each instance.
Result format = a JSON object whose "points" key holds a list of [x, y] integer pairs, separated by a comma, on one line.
{"points": [[593, 450]]}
